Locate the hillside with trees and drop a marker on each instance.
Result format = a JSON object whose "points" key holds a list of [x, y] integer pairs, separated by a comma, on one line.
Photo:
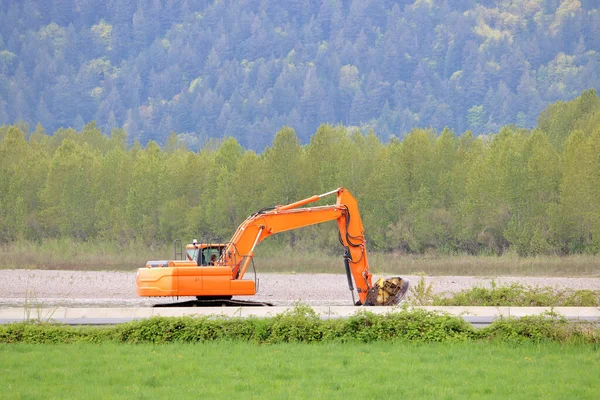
{"points": [[243, 69], [530, 192]]}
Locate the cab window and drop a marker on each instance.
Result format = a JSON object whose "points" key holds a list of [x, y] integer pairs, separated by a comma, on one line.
{"points": [[192, 254], [207, 255]]}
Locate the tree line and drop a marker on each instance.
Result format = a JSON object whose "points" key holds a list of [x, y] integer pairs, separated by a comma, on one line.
{"points": [[533, 192], [243, 69]]}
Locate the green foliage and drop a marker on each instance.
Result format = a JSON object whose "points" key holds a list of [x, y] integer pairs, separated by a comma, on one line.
{"points": [[578, 206], [542, 328], [476, 119], [513, 295], [558, 120], [302, 325], [208, 69], [444, 194], [69, 195], [421, 294]]}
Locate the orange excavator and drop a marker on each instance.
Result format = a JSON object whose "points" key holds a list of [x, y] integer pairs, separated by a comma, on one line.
{"points": [[215, 271]]}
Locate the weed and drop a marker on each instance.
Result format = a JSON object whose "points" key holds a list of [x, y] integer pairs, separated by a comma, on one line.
{"points": [[421, 294], [34, 311]]}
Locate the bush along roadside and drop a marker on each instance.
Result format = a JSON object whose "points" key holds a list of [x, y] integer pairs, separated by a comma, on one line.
{"points": [[303, 325]]}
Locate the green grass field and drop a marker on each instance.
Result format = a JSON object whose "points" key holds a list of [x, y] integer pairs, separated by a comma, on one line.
{"points": [[240, 370]]}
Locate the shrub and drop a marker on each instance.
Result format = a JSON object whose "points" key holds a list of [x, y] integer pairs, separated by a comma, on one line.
{"points": [[546, 327], [302, 324]]}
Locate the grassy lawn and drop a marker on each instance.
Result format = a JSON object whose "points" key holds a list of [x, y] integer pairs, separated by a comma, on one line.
{"points": [[240, 370]]}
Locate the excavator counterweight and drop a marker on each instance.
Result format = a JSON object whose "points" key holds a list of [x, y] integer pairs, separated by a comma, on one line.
{"points": [[216, 271]]}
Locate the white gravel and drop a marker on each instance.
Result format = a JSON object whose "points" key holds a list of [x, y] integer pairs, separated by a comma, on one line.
{"points": [[117, 289]]}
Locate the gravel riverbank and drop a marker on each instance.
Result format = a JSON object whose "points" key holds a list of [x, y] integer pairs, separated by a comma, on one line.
{"points": [[117, 289]]}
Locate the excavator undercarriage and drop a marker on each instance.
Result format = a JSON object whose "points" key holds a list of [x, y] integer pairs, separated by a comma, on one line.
{"points": [[216, 302]]}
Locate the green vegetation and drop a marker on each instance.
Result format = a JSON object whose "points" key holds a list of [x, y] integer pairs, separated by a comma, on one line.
{"points": [[517, 295], [526, 192], [302, 324], [384, 263], [209, 68], [513, 295], [225, 370], [70, 254], [274, 257]]}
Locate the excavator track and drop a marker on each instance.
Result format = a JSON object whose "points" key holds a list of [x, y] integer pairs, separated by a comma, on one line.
{"points": [[216, 303]]}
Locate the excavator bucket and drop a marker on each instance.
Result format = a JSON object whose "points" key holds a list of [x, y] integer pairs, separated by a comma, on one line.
{"points": [[387, 292]]}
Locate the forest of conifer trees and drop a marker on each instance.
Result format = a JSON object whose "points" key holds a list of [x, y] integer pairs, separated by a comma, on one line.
{"points": [[244, 69], [532, 192]]}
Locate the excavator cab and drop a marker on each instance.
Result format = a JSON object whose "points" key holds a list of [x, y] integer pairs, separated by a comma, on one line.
{"points": [[204, 254]]}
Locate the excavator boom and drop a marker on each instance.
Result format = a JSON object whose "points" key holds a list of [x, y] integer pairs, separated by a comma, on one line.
{"points": [[239, 252]]}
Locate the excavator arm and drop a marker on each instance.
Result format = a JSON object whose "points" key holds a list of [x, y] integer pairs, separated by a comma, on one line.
{"points": [[265, 223]]}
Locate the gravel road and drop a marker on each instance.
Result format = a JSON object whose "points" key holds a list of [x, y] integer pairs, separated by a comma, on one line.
{"points": [[117, 289]]}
